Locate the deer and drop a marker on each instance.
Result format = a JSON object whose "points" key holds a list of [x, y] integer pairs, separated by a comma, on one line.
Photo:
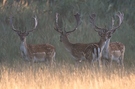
{"points": [[76, 50], [113, 51], [34, 52], [81, 51]]}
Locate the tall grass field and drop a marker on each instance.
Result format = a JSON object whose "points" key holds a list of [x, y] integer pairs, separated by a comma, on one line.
{"points": [[65, 73]]}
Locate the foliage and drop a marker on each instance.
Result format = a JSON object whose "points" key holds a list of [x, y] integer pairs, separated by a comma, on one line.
{"points": [[23, 10]]}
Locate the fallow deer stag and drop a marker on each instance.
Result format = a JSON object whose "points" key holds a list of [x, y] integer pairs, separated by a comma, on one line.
{"points": [[77, 49], [93, 52], [35, 53], [114, 50], [80, 51]]}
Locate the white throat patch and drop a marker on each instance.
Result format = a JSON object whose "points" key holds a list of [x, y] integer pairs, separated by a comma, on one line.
{"points": [[23, 48]]}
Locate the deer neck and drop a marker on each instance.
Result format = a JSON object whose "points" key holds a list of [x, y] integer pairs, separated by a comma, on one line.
{"points": [[67, 44], [106, 48], [102, 44], [106, 52], [23, 47]]}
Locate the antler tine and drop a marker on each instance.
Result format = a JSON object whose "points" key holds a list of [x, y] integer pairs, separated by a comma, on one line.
{"points": [[36, 22], [112, 22], [77, 17], [92, 21], [121, 17], [11, 22], [56, 24]]}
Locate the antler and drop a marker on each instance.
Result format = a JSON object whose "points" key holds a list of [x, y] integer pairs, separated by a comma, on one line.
{"points": [[121, 17], [92, 21], [56, 24], [77, 17], [11, 22], [36, 22], [112, 22]]}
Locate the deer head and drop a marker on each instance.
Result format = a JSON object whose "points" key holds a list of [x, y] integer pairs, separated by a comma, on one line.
{"points": [[21, 34], [104, 31], [65, 33]]}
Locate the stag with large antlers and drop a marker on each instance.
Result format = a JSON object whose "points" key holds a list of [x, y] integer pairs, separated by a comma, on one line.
{"points": [[94, 50], [35, 53], [77, 49], [114, 50], [80, 51]]}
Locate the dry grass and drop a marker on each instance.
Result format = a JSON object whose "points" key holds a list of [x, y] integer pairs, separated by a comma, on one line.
{"points": [[62, 76]]}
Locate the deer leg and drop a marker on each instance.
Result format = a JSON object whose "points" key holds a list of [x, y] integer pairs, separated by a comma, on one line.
{"points": [[52, 59], [121, 64], [25, 57], [54, 56], [34, 59], [22, 54], [82, 59], [104, 60], [99, 60], [92, 59], [99, 63], [110, 64], [122, 58]]}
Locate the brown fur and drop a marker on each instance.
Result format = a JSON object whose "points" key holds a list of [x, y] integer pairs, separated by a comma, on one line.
{"points": [[116, 46], [47, 48], [78, 49]]}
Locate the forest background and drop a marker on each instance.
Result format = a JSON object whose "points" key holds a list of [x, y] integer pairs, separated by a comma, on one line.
{"points": [[45, 10]]}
